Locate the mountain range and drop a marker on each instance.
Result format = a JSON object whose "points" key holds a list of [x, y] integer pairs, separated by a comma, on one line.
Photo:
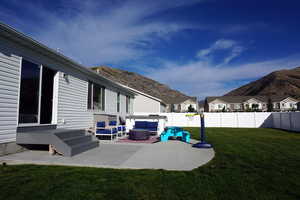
{"points": [[277, 83], [143, 84]]}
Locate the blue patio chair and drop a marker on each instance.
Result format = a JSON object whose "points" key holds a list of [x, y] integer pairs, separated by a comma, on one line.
{"points": [[113, 124], [102, 130], [122, 129]]}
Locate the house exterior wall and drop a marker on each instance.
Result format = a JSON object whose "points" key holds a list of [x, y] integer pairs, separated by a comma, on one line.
{"points": [[217, 105], [9, 95], [249, 103], [185, 105], [72, 106], [145, 104], [70, 95], [285, 105], [163, 108]]}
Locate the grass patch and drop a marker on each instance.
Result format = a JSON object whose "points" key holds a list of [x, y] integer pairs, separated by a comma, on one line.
{"points": [[249, 164]]}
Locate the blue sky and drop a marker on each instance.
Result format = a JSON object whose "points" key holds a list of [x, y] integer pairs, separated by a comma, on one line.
{"points": [[200, 47]]}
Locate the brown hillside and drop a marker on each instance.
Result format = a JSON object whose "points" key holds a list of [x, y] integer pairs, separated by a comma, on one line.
{"points": [[143, 84], [283, 82]]}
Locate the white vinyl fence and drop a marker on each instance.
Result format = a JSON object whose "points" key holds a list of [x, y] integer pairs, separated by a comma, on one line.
{"points": [[286, 120]]}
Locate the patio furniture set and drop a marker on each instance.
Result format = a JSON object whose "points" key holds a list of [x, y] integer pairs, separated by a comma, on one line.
{"points": [[112, 130], [142, 130]]}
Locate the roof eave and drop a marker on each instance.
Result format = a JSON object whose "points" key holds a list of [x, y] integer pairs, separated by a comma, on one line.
{"points": [[58, 56]]}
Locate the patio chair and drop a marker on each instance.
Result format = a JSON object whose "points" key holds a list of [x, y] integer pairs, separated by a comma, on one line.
{"points": [[102, 130], [113, 124], [122, 126], [122, 129]]}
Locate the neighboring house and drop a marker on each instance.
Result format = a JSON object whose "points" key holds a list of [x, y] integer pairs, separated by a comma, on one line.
{"points": [[145, 103], [284, 103], [41, 88], [249, 103], [182, 104]]}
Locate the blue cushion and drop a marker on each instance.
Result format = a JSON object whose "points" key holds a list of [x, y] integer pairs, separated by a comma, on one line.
{"points": [[121, 128], [106, 131], [140, 124], [112, 123], [101, 124], [152, 125]]}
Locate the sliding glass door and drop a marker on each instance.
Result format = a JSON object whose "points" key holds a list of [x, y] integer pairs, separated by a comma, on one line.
{"points": [[47, 95], [29, 93], [36, 94]]}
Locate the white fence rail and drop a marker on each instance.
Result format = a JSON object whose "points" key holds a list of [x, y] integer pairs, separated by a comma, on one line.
{"points": [[286, 120]]}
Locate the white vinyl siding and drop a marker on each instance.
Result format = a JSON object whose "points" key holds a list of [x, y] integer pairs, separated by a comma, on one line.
{"points": [[9, 95], [72, 103], [110, 102], [123, 105], [145, 104]]}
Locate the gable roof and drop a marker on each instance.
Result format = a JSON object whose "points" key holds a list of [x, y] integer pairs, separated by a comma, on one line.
{"points": [[142, 93], [182, 99]]}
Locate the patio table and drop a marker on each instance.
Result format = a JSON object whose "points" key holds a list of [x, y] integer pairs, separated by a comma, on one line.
{"points": [[139, 134]]}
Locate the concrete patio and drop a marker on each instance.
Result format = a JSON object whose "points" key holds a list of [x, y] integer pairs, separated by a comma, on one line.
{"points": [[171, 155]]}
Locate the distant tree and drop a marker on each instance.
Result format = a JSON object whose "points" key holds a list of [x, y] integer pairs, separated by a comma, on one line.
{"points": [[248, 109], [270, 105], [191, 108], [224, 109], [298, 106], [255, 107], [172, 108]]}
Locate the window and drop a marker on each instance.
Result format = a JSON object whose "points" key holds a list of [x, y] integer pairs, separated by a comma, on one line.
{"points": [[36, 94], [127, 104], [90, 93], [291, 105], [118, 102], [96, 97]]}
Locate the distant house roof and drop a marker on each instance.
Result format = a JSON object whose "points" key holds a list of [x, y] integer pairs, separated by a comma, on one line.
{"points": [[182, 99], [241, 99], [142, 93]]}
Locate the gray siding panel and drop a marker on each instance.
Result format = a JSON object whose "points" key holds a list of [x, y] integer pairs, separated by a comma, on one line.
{"points": [[72, 103], [9, 89], [110, 101]]}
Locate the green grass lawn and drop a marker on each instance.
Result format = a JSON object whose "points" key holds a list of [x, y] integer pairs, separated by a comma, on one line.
{"points": [[249, 164]]}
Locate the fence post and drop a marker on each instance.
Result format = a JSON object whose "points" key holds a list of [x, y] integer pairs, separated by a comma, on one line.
{"points": [[290, 118], [237, 120]]}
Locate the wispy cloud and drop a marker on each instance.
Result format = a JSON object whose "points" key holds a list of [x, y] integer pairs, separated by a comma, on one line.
{"points": [[232, 47], [200, 77], [97, 32]]}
